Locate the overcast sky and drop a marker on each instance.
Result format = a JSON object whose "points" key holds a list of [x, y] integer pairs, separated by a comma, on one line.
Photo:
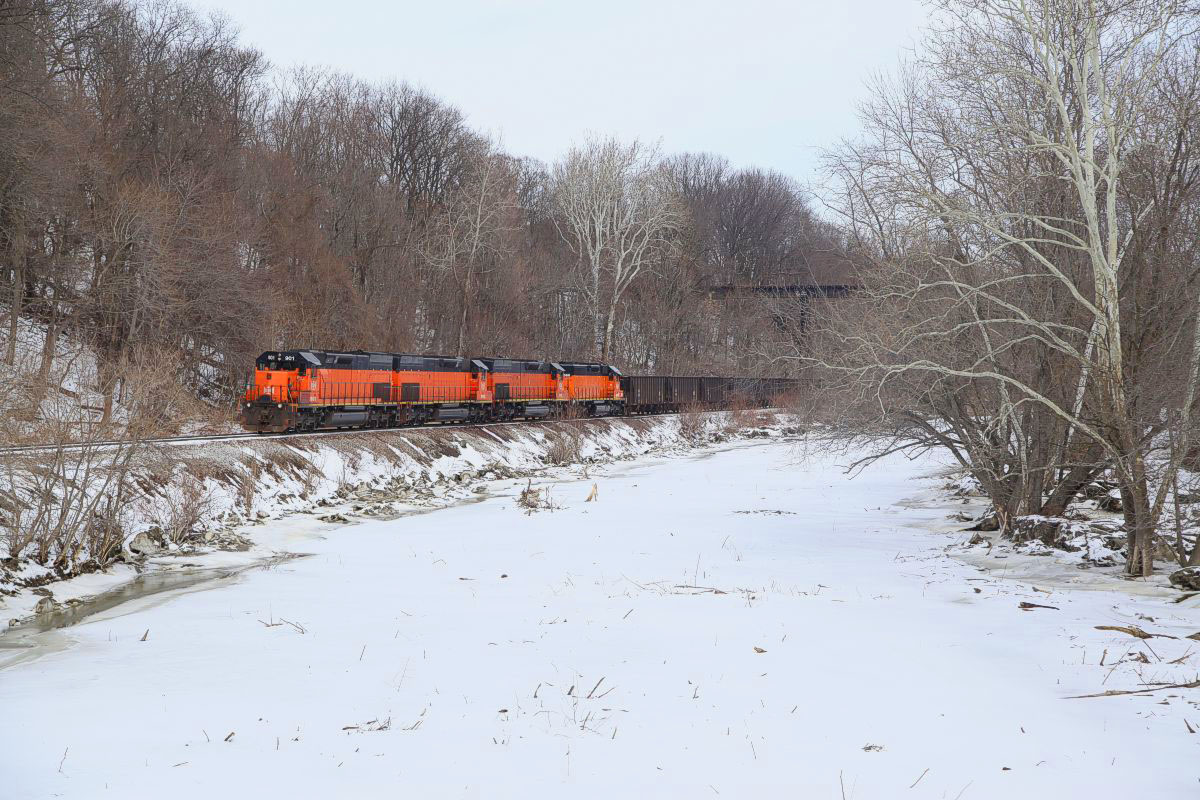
{"points": [[762, 83]]}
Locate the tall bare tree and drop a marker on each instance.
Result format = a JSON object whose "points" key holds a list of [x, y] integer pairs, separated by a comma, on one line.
{"points": [[469, 229], [1002, 193], [615, 210]]}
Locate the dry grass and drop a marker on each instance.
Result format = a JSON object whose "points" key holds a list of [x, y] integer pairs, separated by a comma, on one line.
{"points": [[565, 448], [532, 499], [692, 423], [180, 511]]}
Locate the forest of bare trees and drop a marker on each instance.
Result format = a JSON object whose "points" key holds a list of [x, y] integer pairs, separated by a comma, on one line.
{"points": [[168, 198], [1025, 200]]}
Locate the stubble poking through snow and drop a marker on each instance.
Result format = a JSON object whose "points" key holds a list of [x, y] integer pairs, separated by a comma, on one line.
{"points": [[658, 641]]}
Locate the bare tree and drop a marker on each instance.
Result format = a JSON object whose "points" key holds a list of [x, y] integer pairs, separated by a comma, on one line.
{"points": [[469, 228], [997, 196], [615, 210]]}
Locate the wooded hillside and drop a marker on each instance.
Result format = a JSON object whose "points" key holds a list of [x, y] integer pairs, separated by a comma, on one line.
{"points": [[168, 198]]}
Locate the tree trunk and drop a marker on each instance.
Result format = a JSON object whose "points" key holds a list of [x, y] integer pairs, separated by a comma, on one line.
{"points": [[462, 322], [597, 320], [14, 314], [598, 337], [608, 329], [107, 380], [49, 346], [1076, 478], [1140, 558]]}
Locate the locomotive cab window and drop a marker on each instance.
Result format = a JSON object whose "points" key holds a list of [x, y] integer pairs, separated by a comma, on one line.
{"points": [[277, 361]]}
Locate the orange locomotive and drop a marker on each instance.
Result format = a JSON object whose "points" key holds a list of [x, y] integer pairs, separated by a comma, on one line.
{"points": [[306, 390]]}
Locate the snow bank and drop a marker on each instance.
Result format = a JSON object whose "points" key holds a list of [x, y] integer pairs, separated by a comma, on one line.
{"points": [[199, 499]]}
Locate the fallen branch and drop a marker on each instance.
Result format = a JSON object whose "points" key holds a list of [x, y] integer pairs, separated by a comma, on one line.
{"points": [[1134, 631]]}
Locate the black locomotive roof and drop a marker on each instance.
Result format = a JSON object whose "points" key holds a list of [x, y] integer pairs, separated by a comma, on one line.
{"points": [[516, 365], [402, 362], [392, 362], [588, 368], [545, 367]]}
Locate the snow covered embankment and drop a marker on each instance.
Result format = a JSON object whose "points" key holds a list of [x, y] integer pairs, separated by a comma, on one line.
{"points": [[1084, 548], [209, 504]]}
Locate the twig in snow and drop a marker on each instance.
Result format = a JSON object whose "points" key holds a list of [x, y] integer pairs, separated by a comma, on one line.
{"points": [[1027, 606], [300, 628], [230, 736], [1115, 692], [635, 583], [145, 635], [64, 758], [364, 650], [918, 780], [373, 725], [594, 688], [1182, 658]]}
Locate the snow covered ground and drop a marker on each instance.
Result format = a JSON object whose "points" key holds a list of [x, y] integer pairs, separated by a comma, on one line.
{"points": [[731, 624]]}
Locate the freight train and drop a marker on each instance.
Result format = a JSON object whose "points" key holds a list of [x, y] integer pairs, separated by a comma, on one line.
{"points": [[308, 390]]}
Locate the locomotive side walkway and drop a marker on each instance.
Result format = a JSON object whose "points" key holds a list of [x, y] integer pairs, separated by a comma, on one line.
{"points": [[735, 624]]}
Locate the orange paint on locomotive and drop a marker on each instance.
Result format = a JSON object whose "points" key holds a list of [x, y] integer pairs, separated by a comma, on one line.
{"points": [[523, 385], [593, 387]]}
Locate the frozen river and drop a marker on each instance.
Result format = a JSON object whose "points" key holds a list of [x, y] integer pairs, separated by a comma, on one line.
{"points": [[738, 624]]}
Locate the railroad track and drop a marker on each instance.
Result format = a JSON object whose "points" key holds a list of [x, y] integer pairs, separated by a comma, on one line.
{"points": [[258, 437]]}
